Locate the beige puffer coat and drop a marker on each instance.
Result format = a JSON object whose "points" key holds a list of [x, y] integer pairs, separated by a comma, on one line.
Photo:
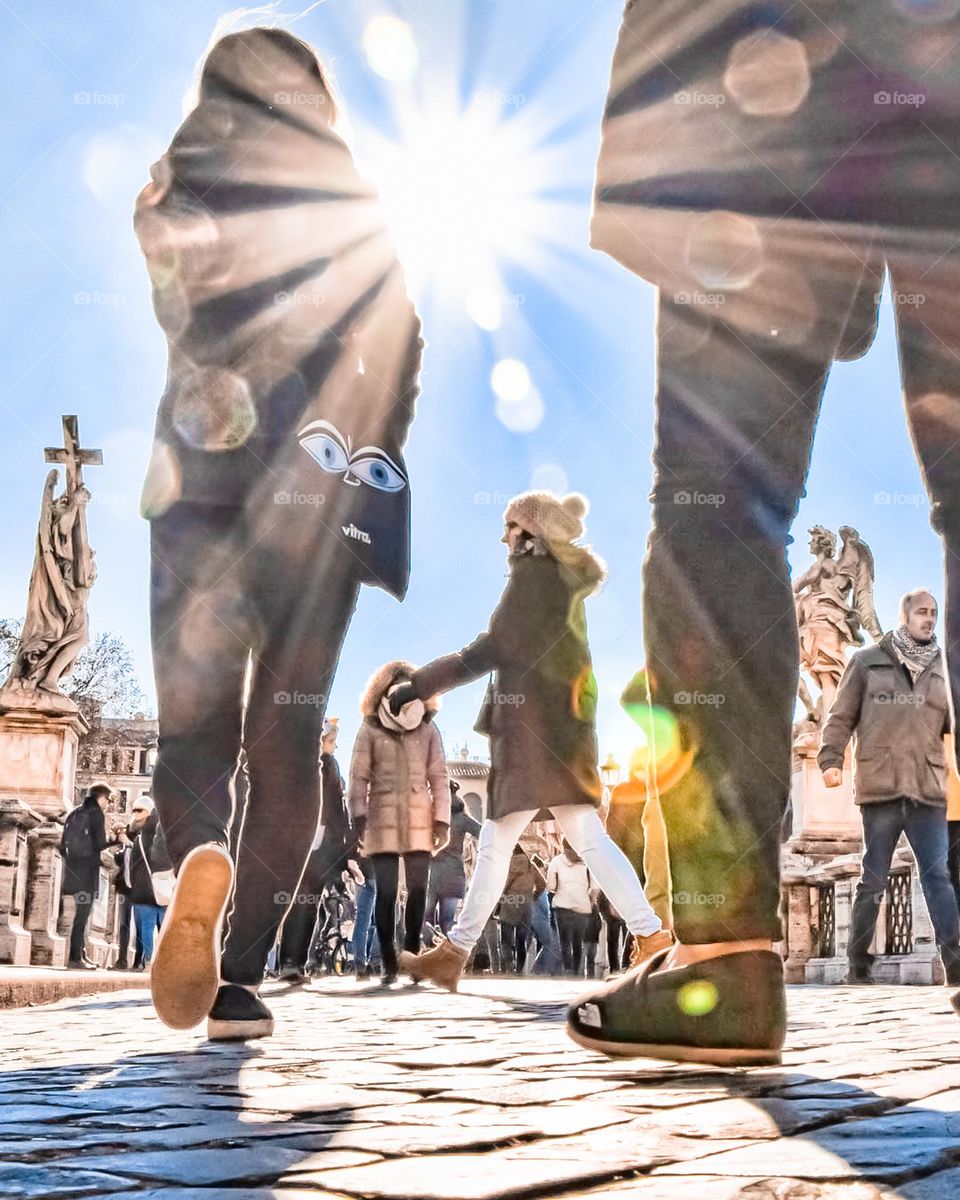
{"points": [[398, 781]]}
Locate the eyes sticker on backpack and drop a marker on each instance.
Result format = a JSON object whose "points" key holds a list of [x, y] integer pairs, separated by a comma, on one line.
{"points": [[367, 465]]}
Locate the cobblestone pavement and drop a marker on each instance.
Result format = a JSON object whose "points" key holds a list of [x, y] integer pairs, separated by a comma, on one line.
{"points": [[416, 1093]]}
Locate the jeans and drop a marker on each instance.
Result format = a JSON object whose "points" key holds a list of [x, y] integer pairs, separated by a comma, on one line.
{"points": [[513, 946], [362, 947], [926, 830], [440, 910], [124, 921], [736, 411], [233, 591], [148, 918], [582, 827], [386, 869], [571, 926], [953, 856], [548, 961]]}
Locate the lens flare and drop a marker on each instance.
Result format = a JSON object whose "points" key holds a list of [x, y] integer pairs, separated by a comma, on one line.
{"points": [[698, 998], [391, 49]]}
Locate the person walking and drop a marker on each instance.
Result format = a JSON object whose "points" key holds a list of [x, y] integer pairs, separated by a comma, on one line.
{"points": [[524, 884], [399, 801], [574, 895], [148, 911], [758, 166], [83, 840], [893, 697], [333, 847], [121, 886], [364, 947], [635, 822], [448, 878], [540, 716], [276, 487]]}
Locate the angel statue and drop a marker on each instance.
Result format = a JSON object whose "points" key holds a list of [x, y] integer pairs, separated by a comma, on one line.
{"points": [[55, 628], [834, 602]]}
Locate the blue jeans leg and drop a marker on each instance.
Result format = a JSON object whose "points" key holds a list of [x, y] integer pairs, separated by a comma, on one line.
{"points": [[148, 918], [927, 835], [882, 825], [366, 898], [448, 912]]}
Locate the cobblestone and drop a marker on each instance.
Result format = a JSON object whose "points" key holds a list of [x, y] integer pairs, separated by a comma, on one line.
{"points": [[418, 1094]]}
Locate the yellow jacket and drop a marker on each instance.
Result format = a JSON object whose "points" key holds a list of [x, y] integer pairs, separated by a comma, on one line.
{"points": [[953, 781]]}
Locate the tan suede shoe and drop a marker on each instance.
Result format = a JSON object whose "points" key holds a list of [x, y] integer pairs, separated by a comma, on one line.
{"points": [[442, 965]]}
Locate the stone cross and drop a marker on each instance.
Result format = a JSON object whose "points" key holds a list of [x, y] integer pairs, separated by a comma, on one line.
{"points": [[71, 456]]}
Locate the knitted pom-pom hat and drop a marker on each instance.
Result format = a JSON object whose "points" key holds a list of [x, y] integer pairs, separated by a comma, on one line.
{"points": [[546, 516]]}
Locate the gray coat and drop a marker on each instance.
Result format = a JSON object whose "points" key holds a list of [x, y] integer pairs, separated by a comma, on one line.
{"points": [[899, 726]]}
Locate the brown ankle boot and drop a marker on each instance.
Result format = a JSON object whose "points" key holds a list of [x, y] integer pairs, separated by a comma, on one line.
{"points": [[442, 965], [646, 947]]}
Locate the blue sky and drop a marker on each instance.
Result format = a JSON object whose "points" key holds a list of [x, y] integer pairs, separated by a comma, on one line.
{"points": [[93, 93]]}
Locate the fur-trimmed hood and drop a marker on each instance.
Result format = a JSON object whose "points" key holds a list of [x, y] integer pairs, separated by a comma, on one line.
{"points": [[587, 569], [383, 678]]}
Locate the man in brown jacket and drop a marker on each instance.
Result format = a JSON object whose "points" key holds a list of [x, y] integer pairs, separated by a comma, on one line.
{"points": [[893, 697]]}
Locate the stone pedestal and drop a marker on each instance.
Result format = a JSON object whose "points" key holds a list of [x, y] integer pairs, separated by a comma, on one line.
{"points": [[16, 822], [39, 732], [49, 947]]}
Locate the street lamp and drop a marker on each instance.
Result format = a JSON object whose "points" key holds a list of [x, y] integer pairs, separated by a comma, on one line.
{"points": [[151, 759], [610, 772]]}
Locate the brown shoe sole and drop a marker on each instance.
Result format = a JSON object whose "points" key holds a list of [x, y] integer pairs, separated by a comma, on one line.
{"points": [[185, 972], [714, 1056]]}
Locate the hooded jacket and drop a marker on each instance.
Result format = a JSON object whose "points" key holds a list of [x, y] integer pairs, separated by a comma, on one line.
{"points": [[293, 349], [540, 707], [398, 781], [899, 725]]}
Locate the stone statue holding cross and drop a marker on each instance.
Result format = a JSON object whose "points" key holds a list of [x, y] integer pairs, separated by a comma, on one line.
{"points": [[55, 628]]}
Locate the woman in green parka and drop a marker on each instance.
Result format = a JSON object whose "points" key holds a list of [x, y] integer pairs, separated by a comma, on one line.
{"points": [[540, 716]]}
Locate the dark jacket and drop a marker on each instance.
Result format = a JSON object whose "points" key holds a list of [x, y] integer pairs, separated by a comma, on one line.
{"points": [[81, 872], [540, 708], [284, 306], [774, 110], [141, 861], [899, 726], [447, 874]]}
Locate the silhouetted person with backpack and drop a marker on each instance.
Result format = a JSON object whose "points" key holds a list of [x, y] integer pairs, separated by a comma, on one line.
{"points": [[84, 839]]}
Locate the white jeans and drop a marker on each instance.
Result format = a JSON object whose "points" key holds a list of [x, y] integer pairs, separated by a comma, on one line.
{"points": [[580, 824]]}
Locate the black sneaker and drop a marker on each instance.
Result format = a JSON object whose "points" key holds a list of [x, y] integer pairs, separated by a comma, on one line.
{"points": [[237, 1015], [80, 964], [293, 976], [729, 1011]]}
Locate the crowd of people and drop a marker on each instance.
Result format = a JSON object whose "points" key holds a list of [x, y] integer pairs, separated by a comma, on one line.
{"points": [[767, 223]]}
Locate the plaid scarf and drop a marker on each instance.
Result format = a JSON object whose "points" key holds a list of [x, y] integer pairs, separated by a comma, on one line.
{"points": [[918, 654]]}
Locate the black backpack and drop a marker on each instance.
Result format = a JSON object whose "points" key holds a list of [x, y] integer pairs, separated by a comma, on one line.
{"points": [[75, 842]]}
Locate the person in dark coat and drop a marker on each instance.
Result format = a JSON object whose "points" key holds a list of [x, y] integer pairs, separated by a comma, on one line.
{"points": [[540, 716], [764, 164], [448, 879], [334, 846], [148, 912], [83, 841], [276, 487]]}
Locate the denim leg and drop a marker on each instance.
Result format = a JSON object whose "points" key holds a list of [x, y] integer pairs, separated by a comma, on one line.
{"points": [[927, 834], [882, 825], [448, 912], [366, 898]]}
